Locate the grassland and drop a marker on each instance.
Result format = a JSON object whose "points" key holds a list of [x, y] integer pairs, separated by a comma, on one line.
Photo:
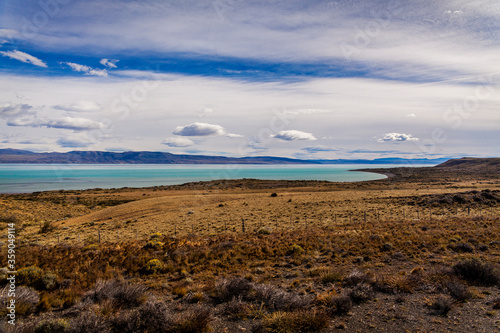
{"points": [[416, 252]]}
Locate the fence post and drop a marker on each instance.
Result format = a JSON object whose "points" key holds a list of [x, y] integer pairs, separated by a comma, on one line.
{"points": [[243, 225], [365, 216], [468, 211], [99, 234]]}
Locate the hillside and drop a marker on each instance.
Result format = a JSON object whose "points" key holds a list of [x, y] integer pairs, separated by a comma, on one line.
{"points": [[131, 157]]}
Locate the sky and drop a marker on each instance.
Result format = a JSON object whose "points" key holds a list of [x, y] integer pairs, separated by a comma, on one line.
{"points": [[294, 78]]}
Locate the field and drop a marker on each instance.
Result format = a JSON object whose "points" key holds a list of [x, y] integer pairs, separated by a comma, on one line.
{"points": [[416, 252]]}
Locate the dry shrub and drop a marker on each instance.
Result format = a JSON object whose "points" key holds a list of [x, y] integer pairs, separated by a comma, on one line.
{"points": [[119, 292], [298, 321], [276, 299], [441, 305], [236, 308], [194, 320], [361, 293], [88, 322], [227, 289], [357, 277], [26, 300], [477, 272], [458, 290]]}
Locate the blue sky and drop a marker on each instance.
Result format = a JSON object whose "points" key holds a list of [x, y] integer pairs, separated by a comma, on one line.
{"points": [[306, 79]]}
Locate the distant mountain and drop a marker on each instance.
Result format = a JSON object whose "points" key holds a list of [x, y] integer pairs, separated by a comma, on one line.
{"points": [[133, 157], [148, 157], [385, 160]]}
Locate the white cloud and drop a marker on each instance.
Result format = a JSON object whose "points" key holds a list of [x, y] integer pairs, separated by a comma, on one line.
{"points": [[292, 135], [411, 115], [86, 69], [80, 106], [203, 129], [24, 57], [177, 142], [10, 110], [74, 141], [397, 137], [319, 148], [75, 124], [110, 63]]}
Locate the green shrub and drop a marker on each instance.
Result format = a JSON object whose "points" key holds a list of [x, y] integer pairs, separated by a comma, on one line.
{"points": [[30, 276], [48, 281], [154, 244], [295, 250], [153, 266]]}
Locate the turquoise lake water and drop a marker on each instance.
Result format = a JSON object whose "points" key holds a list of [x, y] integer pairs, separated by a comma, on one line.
{"points": [[26, 178]]}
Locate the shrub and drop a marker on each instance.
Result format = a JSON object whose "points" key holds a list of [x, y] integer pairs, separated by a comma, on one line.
{"points": [[48, 281], [300, 321], [477, 272], [26, 300], [458, 290], [152, 316], [194, 320], [30, 276], [277, 299], [235, 308], [441, 305], [120, 293], [341, 304], [88, 322], [154, 244], [153, 266], [274, 195], [264, 231], [463, 247], [356, 277], [46, 227], [227, 289], [179, 291], [52, 326], [295, 250], [331, 277], [361, 293]]}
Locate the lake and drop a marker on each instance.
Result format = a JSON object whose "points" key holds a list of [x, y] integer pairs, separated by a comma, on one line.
{"points": [[26, 178]]}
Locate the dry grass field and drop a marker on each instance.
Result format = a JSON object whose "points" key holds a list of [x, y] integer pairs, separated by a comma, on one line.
{"points": [[416, 252]]}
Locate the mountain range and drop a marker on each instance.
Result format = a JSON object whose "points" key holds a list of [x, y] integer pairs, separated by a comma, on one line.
{"points": [[148, 157]]}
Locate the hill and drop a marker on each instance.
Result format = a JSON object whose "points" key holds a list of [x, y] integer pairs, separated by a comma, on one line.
{"points": [[148, 157]]}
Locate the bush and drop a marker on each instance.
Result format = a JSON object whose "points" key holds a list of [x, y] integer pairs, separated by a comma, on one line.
{"points": [[46, 227], [341, 304], [227, 289], [458, 290], [152, 316], [290, 322], [277, 299], [153, 266], [120, 293], [48, 281], [264, 231], [477, 272], [154, 244], [52, 326], [295, 250], [356, 277], [441, 305], [30, 276], [361, 293], [463, 247], [88, 323], [26, 300], [194, 320]]}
